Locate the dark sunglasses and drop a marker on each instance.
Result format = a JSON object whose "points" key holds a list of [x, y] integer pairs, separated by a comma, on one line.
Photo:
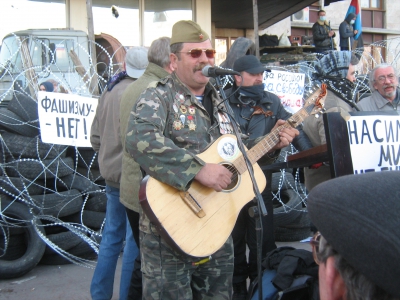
{"points": [[196, 52], [315, 246]]}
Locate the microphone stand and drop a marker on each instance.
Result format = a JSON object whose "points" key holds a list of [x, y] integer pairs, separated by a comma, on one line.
{"points": [[255, 210]]}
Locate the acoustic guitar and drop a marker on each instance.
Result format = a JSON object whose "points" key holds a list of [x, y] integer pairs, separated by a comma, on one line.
{"points": [[198, 222]]}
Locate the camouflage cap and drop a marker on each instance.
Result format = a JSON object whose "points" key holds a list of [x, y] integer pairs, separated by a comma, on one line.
{"points": [[188, 32]]}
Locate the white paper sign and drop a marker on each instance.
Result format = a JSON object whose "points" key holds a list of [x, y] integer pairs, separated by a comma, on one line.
{"points": [[289, 87], [374, 143], [66, 119]]}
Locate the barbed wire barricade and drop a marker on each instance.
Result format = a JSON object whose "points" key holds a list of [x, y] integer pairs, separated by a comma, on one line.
{"points": [[52, 196]]}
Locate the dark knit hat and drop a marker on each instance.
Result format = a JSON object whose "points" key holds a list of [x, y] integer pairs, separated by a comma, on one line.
{"points": [[359, 216], [48, 86], [249, 64], [188, 32]]}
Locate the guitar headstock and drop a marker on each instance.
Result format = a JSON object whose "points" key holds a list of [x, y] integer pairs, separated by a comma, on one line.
{"points": [[316, 97]]}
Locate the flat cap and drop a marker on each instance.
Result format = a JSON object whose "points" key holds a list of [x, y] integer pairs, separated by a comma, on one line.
{"points": [[359, 216], [187, 31], [249, 64], [136, 61]]}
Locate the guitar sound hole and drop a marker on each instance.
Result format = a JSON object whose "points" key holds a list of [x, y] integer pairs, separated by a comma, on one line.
{"points": [[235, 176]]}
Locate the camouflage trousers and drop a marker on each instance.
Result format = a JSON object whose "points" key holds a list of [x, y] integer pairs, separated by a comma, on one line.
{"points": [[171, 275]]}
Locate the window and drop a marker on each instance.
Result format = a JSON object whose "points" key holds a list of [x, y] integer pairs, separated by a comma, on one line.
{"points": [[160, 16], [222, 46], [372, 14], [38, 52], [314, 8], [373, 4], [52, 54], [58, 56], [9, 55], [125, 28]]}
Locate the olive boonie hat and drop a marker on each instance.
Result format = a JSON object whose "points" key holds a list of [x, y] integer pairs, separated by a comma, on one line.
{"points": [[188, 32], [249, 64]]}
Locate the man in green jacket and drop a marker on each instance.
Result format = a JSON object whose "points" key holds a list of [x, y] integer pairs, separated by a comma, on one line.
{"points": [[159, 67]]}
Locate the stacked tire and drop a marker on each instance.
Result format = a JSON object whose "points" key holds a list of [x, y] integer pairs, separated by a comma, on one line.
{"points": [[291, 220], [20, 238], [52, 196]]}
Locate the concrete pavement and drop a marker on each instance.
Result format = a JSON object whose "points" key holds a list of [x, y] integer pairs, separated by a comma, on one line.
{"points": [[67, 282]]}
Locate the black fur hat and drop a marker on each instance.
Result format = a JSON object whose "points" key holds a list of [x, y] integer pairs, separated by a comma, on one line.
{"points": [[359, 215]]}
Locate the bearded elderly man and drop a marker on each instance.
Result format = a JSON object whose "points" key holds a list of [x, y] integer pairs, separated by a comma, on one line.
{"points": [[172, 121], [383, 83]]}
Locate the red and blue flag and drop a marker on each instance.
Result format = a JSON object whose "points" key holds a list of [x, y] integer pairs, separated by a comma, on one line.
{"points": [[356, 9]]}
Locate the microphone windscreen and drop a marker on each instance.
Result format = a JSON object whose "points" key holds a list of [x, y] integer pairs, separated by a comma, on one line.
{"points": [[204, 71]]}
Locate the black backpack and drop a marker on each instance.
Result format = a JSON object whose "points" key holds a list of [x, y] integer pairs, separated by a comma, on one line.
{"points": [[292, 274]]}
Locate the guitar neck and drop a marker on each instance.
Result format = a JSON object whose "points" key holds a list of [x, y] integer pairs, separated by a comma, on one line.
{"points": [[270, 140]]}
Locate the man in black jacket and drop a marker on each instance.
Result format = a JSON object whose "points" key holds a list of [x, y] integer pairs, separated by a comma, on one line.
{"points": [[323, 34], [257, 112]]}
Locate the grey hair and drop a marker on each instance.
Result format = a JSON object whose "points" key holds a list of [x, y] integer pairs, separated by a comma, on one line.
{"points": [[159, 52], [372, 74], [176, 48], [358, 286]]}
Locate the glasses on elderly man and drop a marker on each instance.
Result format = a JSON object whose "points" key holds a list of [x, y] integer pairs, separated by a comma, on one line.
{"points": [[383, 78], [315, 241], [196, 52]]}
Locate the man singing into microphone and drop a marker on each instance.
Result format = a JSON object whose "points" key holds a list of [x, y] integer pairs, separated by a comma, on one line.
{"points": [[173, 120], [257, 112]]}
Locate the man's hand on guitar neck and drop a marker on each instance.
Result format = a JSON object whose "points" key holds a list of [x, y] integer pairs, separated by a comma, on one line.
{"points": [[286, 135], [214, 176]]}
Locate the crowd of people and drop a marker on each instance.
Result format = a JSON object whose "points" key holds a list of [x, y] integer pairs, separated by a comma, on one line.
{"points": [[158, 115]]}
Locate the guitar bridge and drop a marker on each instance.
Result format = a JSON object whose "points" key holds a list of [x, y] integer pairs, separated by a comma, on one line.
{"points": [[193, 204]]}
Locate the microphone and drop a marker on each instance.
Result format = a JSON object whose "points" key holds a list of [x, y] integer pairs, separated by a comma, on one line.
{"points": [[209, 71]]}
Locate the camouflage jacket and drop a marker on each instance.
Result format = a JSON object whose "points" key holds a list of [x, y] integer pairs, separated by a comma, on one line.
{"points": [[168, 127]]}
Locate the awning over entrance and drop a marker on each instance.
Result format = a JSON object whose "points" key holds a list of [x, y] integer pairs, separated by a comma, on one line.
{"points": [[239, 13]]}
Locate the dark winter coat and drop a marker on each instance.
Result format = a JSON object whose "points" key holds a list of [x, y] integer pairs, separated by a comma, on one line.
{"points": [[346, 31], [322, 40]]}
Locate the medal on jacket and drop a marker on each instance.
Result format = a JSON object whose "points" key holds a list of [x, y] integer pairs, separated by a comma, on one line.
{"points": [[177, 125], [180, 98], [224, 124], [183, 109], [191, 124], [192, 110]]}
